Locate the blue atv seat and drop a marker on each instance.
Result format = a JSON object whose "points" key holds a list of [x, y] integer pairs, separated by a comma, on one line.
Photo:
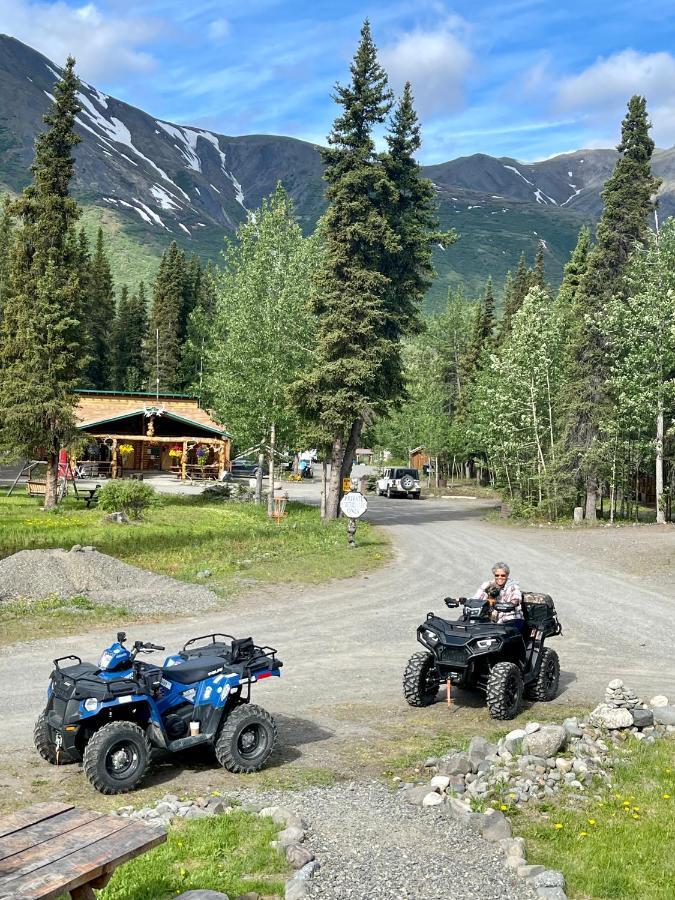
{"points": [[195, 669]]}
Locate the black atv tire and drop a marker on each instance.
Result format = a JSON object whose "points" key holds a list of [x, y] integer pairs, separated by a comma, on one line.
{"points": [[504, 690], [43, 738], [117, 776], [545, 686], [247, 739], [421, 680]]}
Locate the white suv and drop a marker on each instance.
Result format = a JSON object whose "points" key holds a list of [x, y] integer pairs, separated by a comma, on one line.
{"points": [[399, 481]]}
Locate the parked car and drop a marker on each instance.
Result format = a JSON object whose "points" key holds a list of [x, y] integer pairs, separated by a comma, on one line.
{"points": [[399, 482], [244, 468]]}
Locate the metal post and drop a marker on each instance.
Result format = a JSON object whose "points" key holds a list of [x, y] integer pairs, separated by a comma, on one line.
{"points": [[351, 533]]}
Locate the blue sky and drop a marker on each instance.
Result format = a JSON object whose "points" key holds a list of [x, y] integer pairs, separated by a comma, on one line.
{"points": [[527, 79]]}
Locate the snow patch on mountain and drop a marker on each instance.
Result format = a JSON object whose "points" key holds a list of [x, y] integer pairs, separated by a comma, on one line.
{"points": [[186, 230], [165, 200], [572, 196], [239, 193], [513, 169], [187, 143], [541, 197]]}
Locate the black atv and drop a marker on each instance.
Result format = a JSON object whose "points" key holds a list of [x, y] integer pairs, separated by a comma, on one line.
{"points": [[475, 653]]}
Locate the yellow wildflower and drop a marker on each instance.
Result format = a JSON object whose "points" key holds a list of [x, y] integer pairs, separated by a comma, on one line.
{"points": [[559, 825], [635, 816], [636, 809], [503, 807], [583, 834], [591, 821], [666, 796]]}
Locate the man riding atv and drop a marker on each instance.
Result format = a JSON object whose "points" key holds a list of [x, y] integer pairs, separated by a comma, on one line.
{"points": [[502, 591]]}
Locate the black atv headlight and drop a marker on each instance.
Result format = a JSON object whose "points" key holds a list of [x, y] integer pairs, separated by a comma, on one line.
{"points": [[486, 645], [430, 637]]}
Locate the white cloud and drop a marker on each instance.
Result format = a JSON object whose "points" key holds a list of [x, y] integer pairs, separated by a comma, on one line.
{"points": [[604, 88], [103, 45], [219, 29], [435, 62]]}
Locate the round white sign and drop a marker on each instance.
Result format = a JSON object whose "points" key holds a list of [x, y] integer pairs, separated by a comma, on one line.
{"points": [[353, 505]]}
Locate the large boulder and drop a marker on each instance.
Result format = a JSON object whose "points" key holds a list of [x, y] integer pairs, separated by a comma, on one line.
{"points": [[609, 717], [545, 742]]}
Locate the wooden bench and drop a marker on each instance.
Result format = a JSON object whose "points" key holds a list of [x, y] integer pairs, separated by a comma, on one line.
{"points": [[36, 487], [52, 848], [89, 495]]}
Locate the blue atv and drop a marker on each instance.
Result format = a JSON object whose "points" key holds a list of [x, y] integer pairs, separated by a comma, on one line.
{"points": [[113, 715]]}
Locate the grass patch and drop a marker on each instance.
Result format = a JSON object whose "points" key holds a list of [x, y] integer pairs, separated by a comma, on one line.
{"points": [[295, 778], [228, 853], [186, 535], [619, 843], [24, 620]]}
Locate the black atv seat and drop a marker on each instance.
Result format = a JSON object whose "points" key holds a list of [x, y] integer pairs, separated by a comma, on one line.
{"points": [[195, 669]]}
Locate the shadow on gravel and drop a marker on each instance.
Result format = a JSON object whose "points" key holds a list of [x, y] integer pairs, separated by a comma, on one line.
{"points": [[399, 512], [294, 734]]}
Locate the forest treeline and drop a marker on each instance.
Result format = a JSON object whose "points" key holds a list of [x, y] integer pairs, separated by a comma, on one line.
{"points": [[564, 399]]}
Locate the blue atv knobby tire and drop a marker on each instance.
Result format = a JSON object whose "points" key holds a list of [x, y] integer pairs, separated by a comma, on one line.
{"points": [[116, 758], [247, 739]]}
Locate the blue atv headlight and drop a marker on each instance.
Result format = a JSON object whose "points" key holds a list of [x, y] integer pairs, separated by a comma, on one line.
{"points": [[90, 704], [430, 636], [105, 660], [488, 643]]}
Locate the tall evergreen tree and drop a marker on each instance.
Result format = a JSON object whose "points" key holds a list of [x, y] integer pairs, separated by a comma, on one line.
{"points": [[163, 345], [6, 220], [481, 335], [628, 203], [412, 215], [516, 289], [41, 352], [119, 349], [352, 290], [538, 273], [199, 328], [137, 335], [100, 318]]}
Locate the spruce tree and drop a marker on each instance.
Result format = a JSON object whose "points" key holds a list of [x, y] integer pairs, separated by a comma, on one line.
{"points": [[6, 220], [412, 216], [100, 318], [136, 378], [164, 339], [518, 286], [119, 349], [41, 351], [352, 289], [628, 204], [538, 274]]}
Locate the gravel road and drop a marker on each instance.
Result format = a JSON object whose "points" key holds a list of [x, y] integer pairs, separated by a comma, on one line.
{"points": [[345, 644]]}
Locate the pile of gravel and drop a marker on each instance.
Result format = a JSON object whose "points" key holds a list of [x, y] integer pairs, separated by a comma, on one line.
{"points": [[84, 572]]}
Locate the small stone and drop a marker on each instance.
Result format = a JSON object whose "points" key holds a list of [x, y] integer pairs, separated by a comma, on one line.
{"points": [[479, 748], [659, 700], [431, 762], [513, 846], [455, 764], [515, 862], [307, 871], [288, 836], [615, 685], [249, 895], [664, 715], [204, 573], [608, 717], [545, 741], [497, 831], [297, 856], [76, 548], [195, 812], [514, 739], [642, 718], [432, 799], [416, 795], [546, 893], [529, 871], [440, 782], [531, 727], [296, 890], [202, 895]]}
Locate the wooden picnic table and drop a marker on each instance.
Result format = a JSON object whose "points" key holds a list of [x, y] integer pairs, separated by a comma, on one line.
{"points": [[51, 848]]}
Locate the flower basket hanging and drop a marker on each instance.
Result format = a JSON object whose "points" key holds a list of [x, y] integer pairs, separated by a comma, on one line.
{"points": [[176, 452], [125, 449]]}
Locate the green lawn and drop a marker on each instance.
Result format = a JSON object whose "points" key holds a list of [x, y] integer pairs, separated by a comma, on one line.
{"points": [[228, 853], [621, 842]]}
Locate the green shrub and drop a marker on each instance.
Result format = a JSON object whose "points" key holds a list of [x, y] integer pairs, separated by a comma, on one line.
{"points": [[128, 496]]}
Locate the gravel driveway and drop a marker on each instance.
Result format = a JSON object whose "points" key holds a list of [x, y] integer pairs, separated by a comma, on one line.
{"points": [[345, 644]]}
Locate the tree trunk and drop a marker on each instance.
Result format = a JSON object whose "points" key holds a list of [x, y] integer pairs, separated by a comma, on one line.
{"points": [[52, 481], [591, 497], [350, 449], [257, 499], [270, 495], [324, 486], [660, 510], [335, 481]]}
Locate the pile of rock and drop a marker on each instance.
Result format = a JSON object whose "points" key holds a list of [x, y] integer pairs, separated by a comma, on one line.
{"points": [[289, 841], [536, 762]]}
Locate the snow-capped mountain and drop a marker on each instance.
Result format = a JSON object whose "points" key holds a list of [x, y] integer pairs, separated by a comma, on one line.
{"points": [[164, 181]]}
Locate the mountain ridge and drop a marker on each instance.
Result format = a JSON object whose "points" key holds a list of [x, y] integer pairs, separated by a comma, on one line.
{"points": [[164, 181]]}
